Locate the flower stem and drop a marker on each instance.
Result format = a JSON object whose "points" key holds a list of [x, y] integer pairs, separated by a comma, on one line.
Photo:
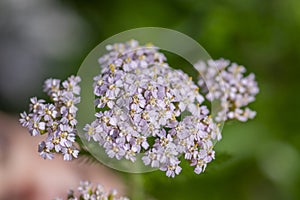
{"points": [[137, 190]]}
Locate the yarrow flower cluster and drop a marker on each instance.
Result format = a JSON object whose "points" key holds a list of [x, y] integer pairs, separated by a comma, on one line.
{"points": [[57, 120], [86, 191], [144, 107], [227, 83], [147, 107]]}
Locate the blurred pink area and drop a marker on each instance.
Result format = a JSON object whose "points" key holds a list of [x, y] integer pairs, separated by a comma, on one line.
{"points": [[25, 175]]}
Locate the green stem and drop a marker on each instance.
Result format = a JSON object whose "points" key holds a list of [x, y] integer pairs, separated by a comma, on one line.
{"points": [[137, 187]]}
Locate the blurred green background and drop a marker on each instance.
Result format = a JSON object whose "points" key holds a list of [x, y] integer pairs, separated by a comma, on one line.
{"points": [[259, 159]]}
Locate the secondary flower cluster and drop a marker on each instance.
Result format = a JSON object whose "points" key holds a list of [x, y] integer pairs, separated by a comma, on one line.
{"points": [[147, 107], [227, 83], [89, 192], [57, 120]]}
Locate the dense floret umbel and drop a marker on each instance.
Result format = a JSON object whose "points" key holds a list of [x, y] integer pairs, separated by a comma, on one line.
{"points": [[141, 99], [56, 120], [227, 83]]}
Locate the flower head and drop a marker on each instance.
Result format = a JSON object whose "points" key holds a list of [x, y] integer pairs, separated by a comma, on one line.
{"points": [[227, 82], [86, 191], [57, 119], [141, 98]]}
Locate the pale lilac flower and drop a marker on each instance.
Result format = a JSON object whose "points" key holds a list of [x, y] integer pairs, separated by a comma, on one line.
{"points": [[36, 127], [70, 153], [71, 85], [53, 142], [50, 112], [36, 105], [67, 135], [93, 131], [172, 170], [25, 119], [51, 86], [44, 151]]}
